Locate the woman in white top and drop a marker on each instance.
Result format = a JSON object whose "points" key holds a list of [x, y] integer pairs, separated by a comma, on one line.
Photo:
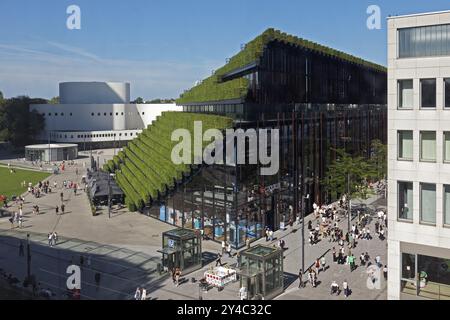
{"points": [[144, 294]]}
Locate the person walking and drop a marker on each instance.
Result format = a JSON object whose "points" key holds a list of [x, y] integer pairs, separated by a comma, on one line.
{"points": [[63, 207], [229, 250], [317, 265], [21, 253], [362, 260], [173, 275], [323, 263], [219, 259], [20, 222], [50, 239], [137, 294], [243, 293], [223, 246], [351, 261], [270, 235], [334, 288], [62, 196], [177, 276], [378, 261], [385, 272], [334, 255], [57, 210], [346, 289], [144, 294], [54, 238], [301, 284]]}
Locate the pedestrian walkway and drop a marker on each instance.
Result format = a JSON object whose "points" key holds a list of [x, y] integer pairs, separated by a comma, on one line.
{"points": [[121, 269]]}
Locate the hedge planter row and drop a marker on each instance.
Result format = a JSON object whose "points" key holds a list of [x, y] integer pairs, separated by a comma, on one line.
{"points": [[144, 169]]}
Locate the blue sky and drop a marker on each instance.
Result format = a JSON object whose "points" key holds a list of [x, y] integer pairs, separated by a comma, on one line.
{"points": [[163, 46]]}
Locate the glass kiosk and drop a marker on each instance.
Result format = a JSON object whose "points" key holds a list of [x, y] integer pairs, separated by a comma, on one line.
{"points": [[181, 248], [261, 272]]}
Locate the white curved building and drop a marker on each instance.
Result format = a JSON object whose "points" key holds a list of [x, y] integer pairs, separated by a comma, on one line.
{"points": [[97, 114]]}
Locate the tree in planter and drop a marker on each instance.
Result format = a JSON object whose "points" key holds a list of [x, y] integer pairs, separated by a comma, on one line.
{"points": [[348, 175]]}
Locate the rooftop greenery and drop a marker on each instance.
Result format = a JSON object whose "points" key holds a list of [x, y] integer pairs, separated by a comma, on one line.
{"points": [[144, 169], [212, 89]]}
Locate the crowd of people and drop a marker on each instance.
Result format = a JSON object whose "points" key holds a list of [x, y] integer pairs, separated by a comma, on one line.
{"points": [[327, 220]]}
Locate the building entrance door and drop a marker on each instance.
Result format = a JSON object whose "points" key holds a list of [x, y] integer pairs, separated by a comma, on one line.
{"points": [[171, 260], [254, 285]]}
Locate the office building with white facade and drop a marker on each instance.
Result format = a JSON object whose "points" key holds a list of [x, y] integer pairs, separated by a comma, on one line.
{"points": [[419, 156], [97, 115]]}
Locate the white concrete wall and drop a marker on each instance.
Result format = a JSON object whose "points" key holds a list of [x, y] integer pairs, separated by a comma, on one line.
{"points": [[94, 92], [78, 117], [437, 120]]}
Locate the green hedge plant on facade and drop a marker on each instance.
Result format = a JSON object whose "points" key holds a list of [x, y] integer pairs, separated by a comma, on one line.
{"points": [[213, 89], [144, 169]]}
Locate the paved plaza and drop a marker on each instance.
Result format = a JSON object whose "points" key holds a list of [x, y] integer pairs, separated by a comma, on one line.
{"points": [[123, 249]]}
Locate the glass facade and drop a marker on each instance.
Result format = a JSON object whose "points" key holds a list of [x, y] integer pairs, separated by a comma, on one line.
{"points": [[405, 200], [428, 203], [426, 41], [425, 276], [405, 145], [235, 203], [181, 248], [261, 271]]}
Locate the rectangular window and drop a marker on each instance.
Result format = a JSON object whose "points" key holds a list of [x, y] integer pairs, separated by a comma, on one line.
{"points": [[428, 146], [405, 200], [427, 41], [428, 203], [405, 94], [428, 93], [447, 204], [405, 145], [447, 93], [447, 146]]}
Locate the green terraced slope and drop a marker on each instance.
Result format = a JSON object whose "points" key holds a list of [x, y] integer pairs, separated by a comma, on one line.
{"points": [[213, 89], [144, 169]]}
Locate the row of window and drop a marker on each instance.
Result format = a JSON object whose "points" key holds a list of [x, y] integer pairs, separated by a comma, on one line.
{"points": [[424, 41], [427, 202], [92, 114], [427, 93], [82, 136], [427, 146], [103, 135]]}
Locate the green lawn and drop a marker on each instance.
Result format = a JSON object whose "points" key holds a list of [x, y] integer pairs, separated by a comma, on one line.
{"points": [[10, 183]]}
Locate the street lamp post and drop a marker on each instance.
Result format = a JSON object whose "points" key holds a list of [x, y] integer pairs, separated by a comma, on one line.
{"points": [[109, 197], [349, 201], [303, 230]]}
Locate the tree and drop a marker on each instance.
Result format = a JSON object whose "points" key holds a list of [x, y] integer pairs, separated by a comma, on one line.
{"points": [[1, 96], [19, 125], [348, 175], [378, 159], [139, 100], [54, 100]]}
